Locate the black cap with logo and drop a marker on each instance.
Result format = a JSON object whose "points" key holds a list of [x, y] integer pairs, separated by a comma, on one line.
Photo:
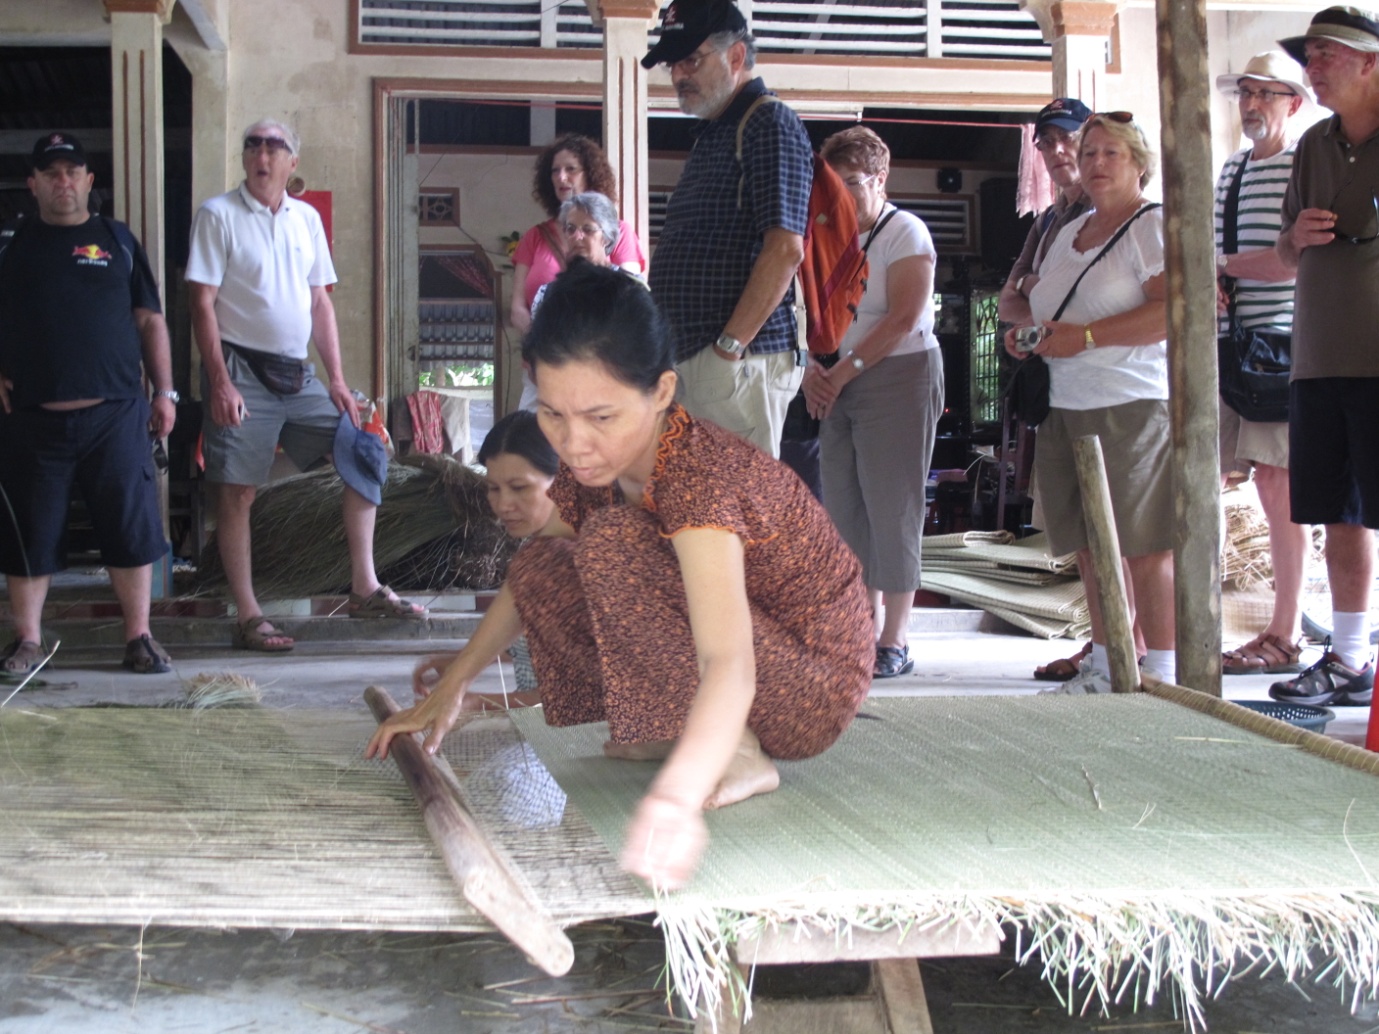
{"points": [[56, 147], [685, 24]]}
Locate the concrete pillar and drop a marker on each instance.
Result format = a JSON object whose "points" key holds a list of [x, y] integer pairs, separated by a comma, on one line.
{"points": [[625, 26], [1080, 32], [136, 69]]}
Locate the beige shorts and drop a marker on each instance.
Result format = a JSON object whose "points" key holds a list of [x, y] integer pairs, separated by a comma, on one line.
{"points": [[1247, 442], [1135, 444]]}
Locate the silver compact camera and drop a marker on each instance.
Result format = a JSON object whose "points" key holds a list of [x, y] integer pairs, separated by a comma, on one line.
{"points": [[1028, 338]]}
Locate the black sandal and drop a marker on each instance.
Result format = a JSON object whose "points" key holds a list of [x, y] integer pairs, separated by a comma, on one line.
{"points": [[144, 656], [892, 661]]}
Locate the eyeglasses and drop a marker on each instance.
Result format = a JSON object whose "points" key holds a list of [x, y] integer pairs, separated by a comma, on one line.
{"points": [[1244, 93], [276, 144], [860, 180], [1053, 139], [1374, 198], [690, 65], [587, 230]]}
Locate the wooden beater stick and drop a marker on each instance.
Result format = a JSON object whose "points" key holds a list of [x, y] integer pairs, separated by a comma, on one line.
{"points": [[483, 876]]}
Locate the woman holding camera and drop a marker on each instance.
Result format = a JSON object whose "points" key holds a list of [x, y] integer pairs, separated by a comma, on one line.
{"points": [[1100, 305]]}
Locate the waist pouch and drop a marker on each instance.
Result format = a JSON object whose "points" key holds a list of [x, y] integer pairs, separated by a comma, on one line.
{"points": [[277, 373]]}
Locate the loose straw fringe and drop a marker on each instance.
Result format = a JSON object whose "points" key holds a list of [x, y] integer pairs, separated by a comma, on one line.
{"points": [[1096, 951]]}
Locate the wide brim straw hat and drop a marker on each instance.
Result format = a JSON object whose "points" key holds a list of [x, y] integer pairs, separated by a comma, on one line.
{"points": [[1272, 66]]}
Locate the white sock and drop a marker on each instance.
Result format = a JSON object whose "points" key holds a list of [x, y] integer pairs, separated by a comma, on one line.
{"points": [[1350, 638], [1099, 660], [1165, 662]]}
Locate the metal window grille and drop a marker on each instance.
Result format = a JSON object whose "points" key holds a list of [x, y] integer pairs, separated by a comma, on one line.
{"points": [[985, 366]]}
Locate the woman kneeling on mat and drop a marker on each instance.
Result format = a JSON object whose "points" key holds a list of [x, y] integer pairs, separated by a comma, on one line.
{"points": [[689, 590]]}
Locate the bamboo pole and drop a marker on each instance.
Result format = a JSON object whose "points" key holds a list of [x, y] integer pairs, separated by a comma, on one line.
{"points": [[1190, 248], [483, 876], [1108, 570]]}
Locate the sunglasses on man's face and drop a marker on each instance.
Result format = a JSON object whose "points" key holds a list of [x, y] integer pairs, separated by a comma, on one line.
{"points": [[276, 144]]}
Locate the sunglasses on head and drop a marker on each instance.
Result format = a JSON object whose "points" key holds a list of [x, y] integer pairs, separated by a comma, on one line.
{"points": [[273, 143], [1123, 117]]}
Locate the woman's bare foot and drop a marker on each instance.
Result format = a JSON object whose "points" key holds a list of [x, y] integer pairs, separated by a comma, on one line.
{"points": [[656, 750], [749, 773]]}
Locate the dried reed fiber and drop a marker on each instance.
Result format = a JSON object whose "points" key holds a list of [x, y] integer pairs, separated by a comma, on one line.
{"points": [[256, 817], [434, 530], [1143, 847]]}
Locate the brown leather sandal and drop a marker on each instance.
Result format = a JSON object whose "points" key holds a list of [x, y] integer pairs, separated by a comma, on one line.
{"points": [[248, 636], [384, 603], [1265, 654], [1064, 668]]}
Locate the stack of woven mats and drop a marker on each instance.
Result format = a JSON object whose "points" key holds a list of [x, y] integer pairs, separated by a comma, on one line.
{"points": [[1018, 581], [1139, 843]]}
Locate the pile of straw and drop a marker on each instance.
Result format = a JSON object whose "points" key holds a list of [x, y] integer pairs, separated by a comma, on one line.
{"points": [[434, 531]]}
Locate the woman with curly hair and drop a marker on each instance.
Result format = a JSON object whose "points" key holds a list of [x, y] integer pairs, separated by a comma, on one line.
{"points": [[572, 164]]}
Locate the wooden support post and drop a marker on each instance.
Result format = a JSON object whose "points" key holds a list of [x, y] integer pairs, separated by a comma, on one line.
{"points": [[1106, 564], [901, 990], [483, 876], [1190, 250]]}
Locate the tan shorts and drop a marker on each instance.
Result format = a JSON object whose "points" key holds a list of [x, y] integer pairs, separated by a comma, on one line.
{"points": [[1247, 442], [1135, 443]]}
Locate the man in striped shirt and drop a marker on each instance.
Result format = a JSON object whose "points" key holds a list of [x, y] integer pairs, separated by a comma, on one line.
{"points": [[1269, 93]]}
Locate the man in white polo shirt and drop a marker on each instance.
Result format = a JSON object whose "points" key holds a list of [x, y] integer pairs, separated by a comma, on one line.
{"points": [[257, 278]]}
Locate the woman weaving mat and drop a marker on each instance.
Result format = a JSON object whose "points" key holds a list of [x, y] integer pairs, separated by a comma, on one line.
{"points": [[688, 590]]}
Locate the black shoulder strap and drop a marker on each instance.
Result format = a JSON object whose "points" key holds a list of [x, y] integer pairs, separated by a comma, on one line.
{"points": [[1102, 254], [124, 238], [877, 227], [1230, 210]]}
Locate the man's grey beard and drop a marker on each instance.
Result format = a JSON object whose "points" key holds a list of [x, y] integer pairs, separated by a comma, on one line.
{"points": [[706, 103], [1256, 129]]}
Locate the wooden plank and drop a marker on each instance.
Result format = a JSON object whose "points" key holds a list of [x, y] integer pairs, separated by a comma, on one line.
{"points": [[1190, 265], [483, 876], [901, 991], [1106, 562], [790, 943]]}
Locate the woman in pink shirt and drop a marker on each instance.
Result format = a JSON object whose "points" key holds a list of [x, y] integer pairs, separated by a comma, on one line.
{"points": [[573, 164]]}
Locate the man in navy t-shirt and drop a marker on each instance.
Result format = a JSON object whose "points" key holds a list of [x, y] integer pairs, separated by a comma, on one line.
{"points": [[80, 324]]}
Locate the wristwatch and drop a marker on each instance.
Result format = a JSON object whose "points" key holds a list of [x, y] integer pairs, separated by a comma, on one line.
{"points": [[1088, 341], [858, 363], [169, 394], [1020, 284], [727, 343]]}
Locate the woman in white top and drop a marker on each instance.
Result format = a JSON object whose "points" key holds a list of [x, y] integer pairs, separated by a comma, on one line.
{"points": [[1108, 372], [881, 402]]}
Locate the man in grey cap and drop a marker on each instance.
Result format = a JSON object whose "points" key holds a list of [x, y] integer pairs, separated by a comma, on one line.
{"points": [[1330, 235], [256, 279], [1249, 196], [734, 228]]}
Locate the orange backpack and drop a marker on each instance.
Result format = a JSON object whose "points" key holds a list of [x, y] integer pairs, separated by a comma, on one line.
{"points": [[833, 274]]}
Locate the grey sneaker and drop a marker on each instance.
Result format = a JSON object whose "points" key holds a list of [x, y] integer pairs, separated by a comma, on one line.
{"points": [[1328, 683]]}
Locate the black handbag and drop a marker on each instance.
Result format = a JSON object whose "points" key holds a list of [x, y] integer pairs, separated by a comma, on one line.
{"points": [[1253, 366], [1028, 390]]}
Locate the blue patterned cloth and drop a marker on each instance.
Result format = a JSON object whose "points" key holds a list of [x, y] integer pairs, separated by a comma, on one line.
{"points": [[706, 250]]}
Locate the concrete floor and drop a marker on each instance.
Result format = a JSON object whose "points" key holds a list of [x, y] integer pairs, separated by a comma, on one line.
{"points": [[106, 980]]}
